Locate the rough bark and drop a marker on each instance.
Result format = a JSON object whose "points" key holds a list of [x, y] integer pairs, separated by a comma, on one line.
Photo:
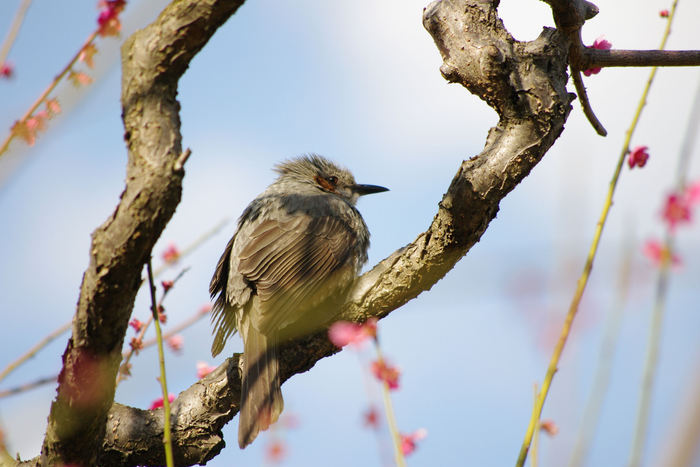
{"points": [[525, 82]]}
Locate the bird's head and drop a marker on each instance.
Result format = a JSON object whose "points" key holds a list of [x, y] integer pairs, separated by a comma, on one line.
{"points": [[325, 176]]}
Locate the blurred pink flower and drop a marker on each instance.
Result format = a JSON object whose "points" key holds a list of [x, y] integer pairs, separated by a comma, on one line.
{"points": [[159, 402], [659, 254], [677, 210], [386, 373], [275, 451], [549, 427], [371, 418], [171, 253], [6, 70], [342, 333], [408, 442], [203, 369], [176, 342], [136, 324]]}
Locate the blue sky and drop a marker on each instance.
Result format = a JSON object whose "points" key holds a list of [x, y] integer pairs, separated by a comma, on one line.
{"points": [[359, 82]]}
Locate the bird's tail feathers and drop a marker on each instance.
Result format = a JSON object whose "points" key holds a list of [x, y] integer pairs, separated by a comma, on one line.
{"points": [[261, 395]]}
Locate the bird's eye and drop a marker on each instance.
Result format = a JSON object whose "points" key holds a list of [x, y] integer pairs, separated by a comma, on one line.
{"points": [[332, 179]]}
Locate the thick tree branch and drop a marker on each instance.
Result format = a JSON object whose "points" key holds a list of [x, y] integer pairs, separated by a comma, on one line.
{"points": [[153, 61]]}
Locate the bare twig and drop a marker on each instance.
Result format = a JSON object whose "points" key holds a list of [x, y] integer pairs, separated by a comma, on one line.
{"points": [[28, 386], [585, 103], [195, 244], [167, 441], [127, 354], [33, 351], [6, 143], [126, 358], [14, 30], [592, 410], [638, 58], [201, 313]]}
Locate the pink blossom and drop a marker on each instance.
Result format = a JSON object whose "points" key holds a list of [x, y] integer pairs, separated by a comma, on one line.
{"points": [[203, 369], [549, 427], [289, 420], [87, 55], [275, 451], [663, 13], [386, 373], [342, 333], [601, 44], [204, 309], [371, 418], [159, 402], [136, 324], [108, 20], [176, 342], [136, 344], [78, 78], [677, 210], [408, 442], [6, 70], [638, 157], [53, 107], [659, 254], [692, 192], [171, 253]]}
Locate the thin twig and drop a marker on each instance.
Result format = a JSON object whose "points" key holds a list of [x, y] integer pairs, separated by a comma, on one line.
{"points": [[638, 58], [179, 328], [148, 343], [28, 386], [389, 410], [167, 442], [594, 405], [33, 351], [47, 91], [14, 30], [583, 280], [535, 440], [585, 103], [195, 244], [652, 356], [126, 357]]}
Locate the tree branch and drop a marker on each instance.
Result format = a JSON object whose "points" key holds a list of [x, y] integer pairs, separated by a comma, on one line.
{"points": [[152, 61], [526, 83], [606, 58]]}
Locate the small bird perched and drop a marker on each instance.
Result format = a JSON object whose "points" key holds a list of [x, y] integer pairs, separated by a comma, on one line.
{"points": [[285, 272]]}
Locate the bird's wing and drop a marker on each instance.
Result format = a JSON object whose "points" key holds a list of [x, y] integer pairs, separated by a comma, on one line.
{"points": [[222, 314], [292, 263]]}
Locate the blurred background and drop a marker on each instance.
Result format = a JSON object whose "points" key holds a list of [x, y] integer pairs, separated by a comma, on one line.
{"points": [[359, 82]]}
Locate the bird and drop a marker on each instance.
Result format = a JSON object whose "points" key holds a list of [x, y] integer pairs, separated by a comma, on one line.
{"points": [[298, 248]]}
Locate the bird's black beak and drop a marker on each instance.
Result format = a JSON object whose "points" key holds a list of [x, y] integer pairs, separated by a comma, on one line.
{"points": [[368, 189]]}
